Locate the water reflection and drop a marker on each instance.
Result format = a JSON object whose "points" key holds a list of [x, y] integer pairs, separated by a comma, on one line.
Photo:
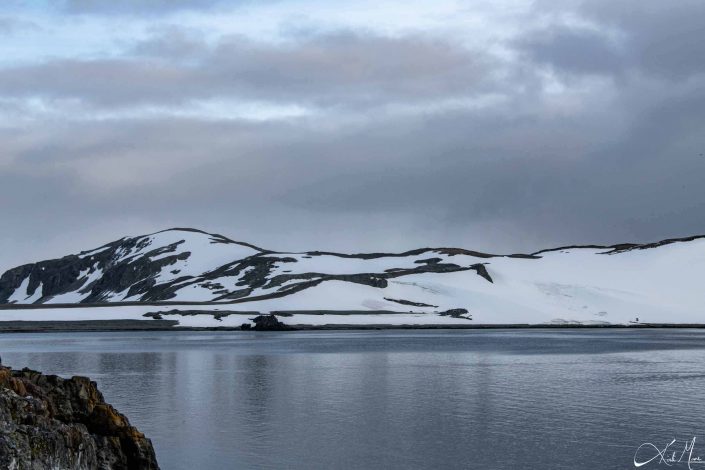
{"points": [[471, 399]]}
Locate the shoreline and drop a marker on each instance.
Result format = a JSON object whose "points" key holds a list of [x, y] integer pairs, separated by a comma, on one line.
{"points": [[30, 326]]}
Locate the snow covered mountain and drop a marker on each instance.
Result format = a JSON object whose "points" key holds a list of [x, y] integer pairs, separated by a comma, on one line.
{"points": [[656, 282]]}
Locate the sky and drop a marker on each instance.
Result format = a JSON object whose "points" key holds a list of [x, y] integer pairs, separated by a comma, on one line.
{"points": [[497, 125]]}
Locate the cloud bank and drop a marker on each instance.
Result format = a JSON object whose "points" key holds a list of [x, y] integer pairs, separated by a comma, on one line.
{"points": [[500, 126]]}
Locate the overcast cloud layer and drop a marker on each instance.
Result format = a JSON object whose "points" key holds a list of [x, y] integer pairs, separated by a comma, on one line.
{"points": [[501, 126]]}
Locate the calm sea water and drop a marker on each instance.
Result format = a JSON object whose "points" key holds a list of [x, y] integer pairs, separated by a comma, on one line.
{"points": [[511, 399]]}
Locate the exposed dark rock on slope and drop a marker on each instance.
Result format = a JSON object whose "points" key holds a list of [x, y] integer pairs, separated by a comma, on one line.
{"points": [[216, 314], [622, 247], [47, 422], [410, 303], [190, 265], [128, 266], [187, 266]]}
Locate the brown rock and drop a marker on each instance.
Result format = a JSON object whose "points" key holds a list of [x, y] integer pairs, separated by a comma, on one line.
{"points": [[48, 422]]}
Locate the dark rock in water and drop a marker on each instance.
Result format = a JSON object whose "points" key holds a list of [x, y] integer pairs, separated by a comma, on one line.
{"points": [[269, 323], [47, 422]]}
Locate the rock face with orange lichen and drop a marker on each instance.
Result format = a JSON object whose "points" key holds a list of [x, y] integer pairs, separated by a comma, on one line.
{"points": [[47, 422]]}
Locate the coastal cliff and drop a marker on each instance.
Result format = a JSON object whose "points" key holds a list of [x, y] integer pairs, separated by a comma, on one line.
{"points": [[47, 422]]}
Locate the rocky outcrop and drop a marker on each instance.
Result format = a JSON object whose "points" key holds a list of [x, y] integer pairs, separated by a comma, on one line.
{"points": [[409, 302], [47, 422], [266, 323], [456, 313], [216, 314]]}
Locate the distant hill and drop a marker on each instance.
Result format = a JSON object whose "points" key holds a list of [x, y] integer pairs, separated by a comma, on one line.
{"points": [[603, 283]]}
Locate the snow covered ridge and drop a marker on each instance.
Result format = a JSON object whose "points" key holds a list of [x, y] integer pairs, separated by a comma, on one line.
{"points": [[190, 265], [659, 282]]}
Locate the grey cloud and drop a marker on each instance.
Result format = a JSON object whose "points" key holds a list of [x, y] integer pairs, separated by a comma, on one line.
{"points": [[444, 179], [663, 38], [345, 70], [111, 82], [10, 25], [347, 66], [653, 37], [173, 43], [133, 7], [602, 161], [576, 51]]}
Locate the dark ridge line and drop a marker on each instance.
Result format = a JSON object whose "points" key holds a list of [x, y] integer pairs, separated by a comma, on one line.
{"points": [[195, 230], [172, 229], [622, 247], [480, 270], [417, 251], [617, 248], [113, 243], [578, 247]]}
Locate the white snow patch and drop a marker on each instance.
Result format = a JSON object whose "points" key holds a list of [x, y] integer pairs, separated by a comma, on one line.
{"points": [[20, 294], [656, 285]]}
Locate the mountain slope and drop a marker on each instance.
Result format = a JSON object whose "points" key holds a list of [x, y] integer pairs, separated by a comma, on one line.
{"points": [[618, 283], [149, 267], [190, 265]]}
